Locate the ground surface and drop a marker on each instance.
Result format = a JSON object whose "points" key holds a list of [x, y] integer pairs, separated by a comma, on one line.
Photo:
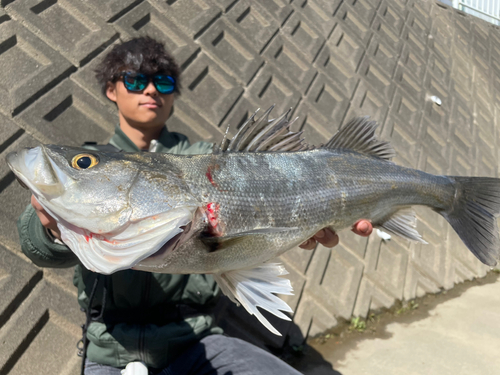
{"points": [[457, 332]]}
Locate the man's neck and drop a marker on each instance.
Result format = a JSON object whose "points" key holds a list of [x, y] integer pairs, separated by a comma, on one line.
{"points": [[141, 136]]}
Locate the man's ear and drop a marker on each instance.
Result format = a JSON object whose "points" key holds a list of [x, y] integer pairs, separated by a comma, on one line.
{"points": [[111, 91]]}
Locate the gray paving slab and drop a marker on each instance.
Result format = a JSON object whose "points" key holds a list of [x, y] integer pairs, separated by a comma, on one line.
{"points": [[71, 28], [194, 17], [68, 115], [147, 20], [254, 22], [232, 51], [304, 34], [271, 87], [38, 67], [111, 10], [45, 323], [210, 88], [459, 336], [284, 55]]}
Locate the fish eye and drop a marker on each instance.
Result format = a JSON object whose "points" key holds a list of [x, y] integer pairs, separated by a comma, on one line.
{"points": [[84, 161]]}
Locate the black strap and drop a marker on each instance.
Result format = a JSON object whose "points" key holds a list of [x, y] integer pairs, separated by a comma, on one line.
{"points": [[83, 343]]}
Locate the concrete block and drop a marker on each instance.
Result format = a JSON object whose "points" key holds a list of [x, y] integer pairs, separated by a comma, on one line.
{"points": [[270, 87], [298, 259], [46, 313], [371, 298], [210, 89], [376, 76], [72, 28], [280, 10], [9, 132], [317, 128], [286, 57], [326, 96], [414, 63], [38, 67], [15, 286], [70, 116], [193, 124], [240, 112], [439, 68], [439, 114], [147, 20], [419, 46], [421, 10], [383, 54], [111, 10], [354, 23], [317, 15], [364, 9], [392, 15], [85, 78], [333, 277], [254, 22], [231, 51], [329, 6], [311, 319], [408, 83], [13, 198], [304, 34], [366, 100], [386, 263], [192, 16]]}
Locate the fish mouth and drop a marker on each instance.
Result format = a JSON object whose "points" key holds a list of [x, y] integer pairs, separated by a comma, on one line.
{"points": [[35, 170]]}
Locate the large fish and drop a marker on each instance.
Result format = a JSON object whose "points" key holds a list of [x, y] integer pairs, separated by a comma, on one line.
{"points": [[256, 196]]}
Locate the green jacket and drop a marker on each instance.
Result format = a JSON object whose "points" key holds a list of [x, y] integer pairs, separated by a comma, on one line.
{"points": [[151, 317]]}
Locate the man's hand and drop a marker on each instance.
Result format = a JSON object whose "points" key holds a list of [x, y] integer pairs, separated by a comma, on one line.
{"points": [[47, 221], [329, 238]]}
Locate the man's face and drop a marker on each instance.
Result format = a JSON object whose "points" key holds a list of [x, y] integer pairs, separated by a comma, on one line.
{"points": [[145, 109]]}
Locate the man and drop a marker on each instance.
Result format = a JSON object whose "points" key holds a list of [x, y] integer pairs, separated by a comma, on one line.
{"points": [[163, 320]]}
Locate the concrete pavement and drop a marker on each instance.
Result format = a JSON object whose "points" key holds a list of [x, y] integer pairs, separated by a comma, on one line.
{"points": [[459, 336]]}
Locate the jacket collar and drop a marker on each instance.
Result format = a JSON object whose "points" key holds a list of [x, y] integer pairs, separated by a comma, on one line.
{"points": [[165, 142]]}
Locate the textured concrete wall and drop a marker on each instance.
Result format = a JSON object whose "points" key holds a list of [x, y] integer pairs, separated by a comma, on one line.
{"points": [[329, 59]]}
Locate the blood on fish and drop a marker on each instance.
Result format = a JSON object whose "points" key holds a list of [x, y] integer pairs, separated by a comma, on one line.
{"points": [[210, 178], [213, 219]]}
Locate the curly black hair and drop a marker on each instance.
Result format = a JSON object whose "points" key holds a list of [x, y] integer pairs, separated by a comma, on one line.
{"points": [[139, 55]]}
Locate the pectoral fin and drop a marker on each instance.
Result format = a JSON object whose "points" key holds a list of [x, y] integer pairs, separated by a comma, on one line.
{"points": [[255, 287]]}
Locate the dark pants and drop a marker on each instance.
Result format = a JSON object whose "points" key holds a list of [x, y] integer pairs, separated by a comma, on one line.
{"points": [[215, 355]]}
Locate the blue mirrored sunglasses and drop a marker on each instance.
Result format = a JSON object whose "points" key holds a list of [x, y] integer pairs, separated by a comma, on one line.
{"points": [[137, 82]]}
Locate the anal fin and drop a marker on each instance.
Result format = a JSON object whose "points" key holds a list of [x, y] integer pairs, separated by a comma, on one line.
{"points": [[255, 287], [403, 223]]}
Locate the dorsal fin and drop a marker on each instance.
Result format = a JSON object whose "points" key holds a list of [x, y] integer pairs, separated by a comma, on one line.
{"points": [[265, 134], [359, 135]]}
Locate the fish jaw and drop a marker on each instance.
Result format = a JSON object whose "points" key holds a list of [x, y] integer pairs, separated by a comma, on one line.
{"points": [[38, 172]]}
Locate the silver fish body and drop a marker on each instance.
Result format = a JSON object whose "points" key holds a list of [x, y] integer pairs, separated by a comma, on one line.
{"points": [[299, 192], [258, 195]]}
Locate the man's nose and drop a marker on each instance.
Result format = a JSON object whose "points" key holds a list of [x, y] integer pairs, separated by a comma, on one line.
{"points": [[150, 89]]}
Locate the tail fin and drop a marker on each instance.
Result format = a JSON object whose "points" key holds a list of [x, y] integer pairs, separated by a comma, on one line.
{"points": [[473, 216]]}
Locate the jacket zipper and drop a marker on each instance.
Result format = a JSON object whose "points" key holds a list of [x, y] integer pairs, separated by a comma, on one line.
{"points": [[142, 354]]}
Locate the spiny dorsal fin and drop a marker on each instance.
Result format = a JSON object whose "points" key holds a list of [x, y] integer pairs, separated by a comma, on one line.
{"points": [[359, 135], [265, 134]]}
